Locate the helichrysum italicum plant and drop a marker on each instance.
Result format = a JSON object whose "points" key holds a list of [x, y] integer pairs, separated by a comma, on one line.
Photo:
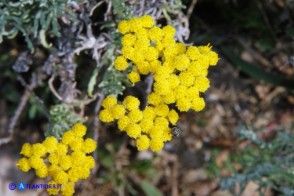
{"points": [[180, 76], [65, 161]]}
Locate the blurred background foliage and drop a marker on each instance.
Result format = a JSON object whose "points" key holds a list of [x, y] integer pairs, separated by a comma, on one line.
{"points": [[56, 65]]}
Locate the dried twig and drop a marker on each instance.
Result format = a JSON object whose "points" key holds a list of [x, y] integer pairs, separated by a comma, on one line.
{"points": [[53, 90], [12, 123], [191, 8]]}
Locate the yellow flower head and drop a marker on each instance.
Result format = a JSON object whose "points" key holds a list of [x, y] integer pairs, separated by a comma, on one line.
{"points": [[168, 41], [193, 53], [213, 58], [50, 144], [180, 92], [169, 98], [173, 117], [154, 65], [84, 173], [123, 122], [118, 111], [89, 145], [161, 122], [162, 73], [183, 104], [131, 103], [167, 135], [77, 158], [26, 150], [134, 77], [186, 78], [38, 150], [156, 132], [128, 52], [42, 172], [23, 164], [151, 54], [141, 45], [173, 81], [68, 189], [89, 162], [142, 34], [61, 149], [120, 63], [142, 142], [128, 39], [198, 104], [204, 49], [79, 129], [124, 27], [192, 93], [143, 67], [170, 50], [53, 158], [155, 33], [146, 124], [181, 48], [181, 62], [202, 83], [106, 116], [135, 115], [109, 102], [65, 162], [76, 144], [60, 177], [154, 99], [161, 110], [156, 144], [135, 24], [162, 87], [149, 113], [74, 174], [36, 162], [133, 130], [168, 31], [68, 137], [147, 21]]}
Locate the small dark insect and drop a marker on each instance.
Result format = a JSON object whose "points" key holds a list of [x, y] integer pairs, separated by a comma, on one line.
{"points": [[176, 131]]}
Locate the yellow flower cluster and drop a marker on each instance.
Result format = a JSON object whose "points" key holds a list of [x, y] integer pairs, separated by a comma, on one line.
{"points": [[65, 162], [149, 127], [180, 76]]}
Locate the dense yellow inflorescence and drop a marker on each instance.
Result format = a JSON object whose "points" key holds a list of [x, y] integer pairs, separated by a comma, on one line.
{"points": [[180, 76], [65, 162]]}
